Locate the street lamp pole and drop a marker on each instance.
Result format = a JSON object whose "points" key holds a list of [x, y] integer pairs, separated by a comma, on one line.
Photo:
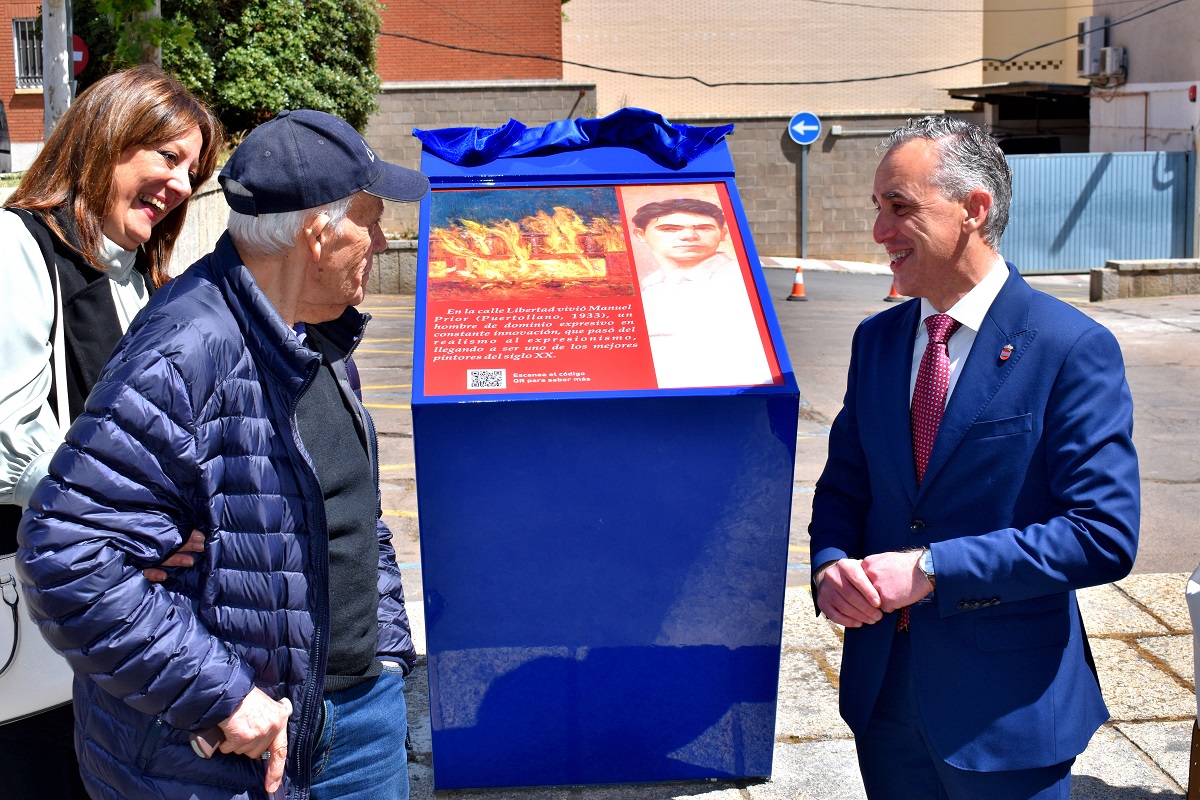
{"points": [[56, 62]]}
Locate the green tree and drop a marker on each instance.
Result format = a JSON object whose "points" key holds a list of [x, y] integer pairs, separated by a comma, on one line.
{"points": [[246, 58]]}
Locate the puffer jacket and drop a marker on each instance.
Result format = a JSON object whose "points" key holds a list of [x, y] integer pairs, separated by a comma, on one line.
{"points": [[192, 425]]}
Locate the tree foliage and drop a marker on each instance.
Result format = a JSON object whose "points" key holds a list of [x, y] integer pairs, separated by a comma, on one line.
{"points": [[246, 58]]}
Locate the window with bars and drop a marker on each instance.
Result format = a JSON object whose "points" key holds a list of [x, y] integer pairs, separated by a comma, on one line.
{"points": [[27, 50]]}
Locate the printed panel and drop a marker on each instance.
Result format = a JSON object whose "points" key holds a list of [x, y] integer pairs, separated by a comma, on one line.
{"points": [[595, 288]]}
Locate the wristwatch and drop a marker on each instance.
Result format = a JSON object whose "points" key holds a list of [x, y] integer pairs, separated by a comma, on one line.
{"points": [[925, 562]]}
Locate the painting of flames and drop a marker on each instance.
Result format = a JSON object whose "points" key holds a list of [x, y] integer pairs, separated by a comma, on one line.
{"points": [[542, 255]]}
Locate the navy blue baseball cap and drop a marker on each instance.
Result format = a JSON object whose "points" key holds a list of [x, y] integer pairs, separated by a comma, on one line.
{"points": [[306, 159]]}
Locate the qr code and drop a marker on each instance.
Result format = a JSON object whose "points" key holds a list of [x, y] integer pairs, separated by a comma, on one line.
{"points": [[486, 378]]}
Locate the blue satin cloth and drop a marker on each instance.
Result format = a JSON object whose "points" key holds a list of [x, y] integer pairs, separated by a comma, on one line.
{"points": [[672, 145]]}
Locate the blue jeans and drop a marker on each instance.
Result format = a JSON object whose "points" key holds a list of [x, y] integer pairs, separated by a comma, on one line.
{"points": [[360, 753]]}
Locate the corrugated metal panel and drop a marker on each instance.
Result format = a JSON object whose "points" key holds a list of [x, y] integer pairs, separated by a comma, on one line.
{"points": [[1076, 211]]}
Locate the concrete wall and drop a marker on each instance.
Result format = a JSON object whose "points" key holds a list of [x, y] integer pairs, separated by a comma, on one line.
{"points": [[395, 269], [1160, 47], [1006, 33], [766, 160], [1139, 117], [786, 56], [207, 216], [1119, 280]]}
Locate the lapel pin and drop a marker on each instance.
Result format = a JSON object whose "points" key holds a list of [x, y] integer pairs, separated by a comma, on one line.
{"points": [[1005, 352]]}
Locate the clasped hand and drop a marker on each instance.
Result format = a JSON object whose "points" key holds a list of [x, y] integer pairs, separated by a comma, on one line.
{"points": [[854, 593], [258, 729]]}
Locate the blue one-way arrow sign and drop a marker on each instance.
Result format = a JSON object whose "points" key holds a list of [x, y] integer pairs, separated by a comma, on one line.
{"points": [[804, 128]]}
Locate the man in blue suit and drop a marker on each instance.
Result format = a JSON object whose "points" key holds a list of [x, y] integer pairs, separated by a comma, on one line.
{"points": [[952, 554]]}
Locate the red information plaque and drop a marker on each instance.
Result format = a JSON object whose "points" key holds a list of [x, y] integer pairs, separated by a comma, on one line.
{"points": [[590, 288]]}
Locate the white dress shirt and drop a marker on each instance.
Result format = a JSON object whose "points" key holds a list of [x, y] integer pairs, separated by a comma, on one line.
{"points": [[970, 311]]}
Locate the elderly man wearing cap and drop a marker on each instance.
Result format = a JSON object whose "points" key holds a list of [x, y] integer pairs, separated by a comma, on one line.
{"points": [[276, 664]]}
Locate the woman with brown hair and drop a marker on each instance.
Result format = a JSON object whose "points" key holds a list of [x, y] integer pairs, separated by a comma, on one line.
{"points": [[86, 237]]}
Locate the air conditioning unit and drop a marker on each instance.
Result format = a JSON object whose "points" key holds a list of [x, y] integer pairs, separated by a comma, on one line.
{"points": [[1090, 40], [1112, 61]]}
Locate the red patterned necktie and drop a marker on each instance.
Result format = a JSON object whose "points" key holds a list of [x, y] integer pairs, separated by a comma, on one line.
{"points": [[929, 400], [929, 395]]}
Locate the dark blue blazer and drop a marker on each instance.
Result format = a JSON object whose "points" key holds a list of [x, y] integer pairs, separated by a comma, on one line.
{"points": [[1032, 491]]}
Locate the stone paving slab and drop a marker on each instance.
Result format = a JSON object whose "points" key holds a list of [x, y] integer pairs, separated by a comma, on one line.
{"points": [[1113, 768], [1106, 611], [811, 714], [812, 771], [1168, 742], [1164, 593], [803, 629], [1142, 754], [1135, 689], [1175, 655]]}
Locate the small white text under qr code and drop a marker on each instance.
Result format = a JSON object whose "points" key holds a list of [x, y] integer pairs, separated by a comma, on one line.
{"points": [[486, 379]]}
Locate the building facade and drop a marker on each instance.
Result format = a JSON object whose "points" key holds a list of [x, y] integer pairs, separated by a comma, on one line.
{"points": [[21, 79], [772, 58], [450, 42], [1152, 105]]}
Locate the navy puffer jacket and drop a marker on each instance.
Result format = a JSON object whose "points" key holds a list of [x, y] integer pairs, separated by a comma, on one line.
{"points": [[192, 426]]}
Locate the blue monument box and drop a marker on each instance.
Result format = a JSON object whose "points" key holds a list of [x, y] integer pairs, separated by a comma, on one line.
{"points": [[605, 426]]}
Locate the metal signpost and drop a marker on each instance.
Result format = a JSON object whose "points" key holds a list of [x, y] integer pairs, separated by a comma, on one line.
{"points": [[804, 128]]}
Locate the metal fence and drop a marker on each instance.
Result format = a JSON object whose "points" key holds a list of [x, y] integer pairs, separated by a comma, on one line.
{"points": [[1073, 212]]}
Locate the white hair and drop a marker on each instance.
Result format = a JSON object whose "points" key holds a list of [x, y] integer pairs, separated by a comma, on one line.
{"points": [[271, 234]]}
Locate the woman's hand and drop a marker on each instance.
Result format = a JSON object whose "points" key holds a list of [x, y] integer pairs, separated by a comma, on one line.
{"points": [[180, 558]]}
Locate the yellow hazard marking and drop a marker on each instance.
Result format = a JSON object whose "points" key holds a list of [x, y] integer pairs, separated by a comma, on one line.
{"points": [[403, 407]]}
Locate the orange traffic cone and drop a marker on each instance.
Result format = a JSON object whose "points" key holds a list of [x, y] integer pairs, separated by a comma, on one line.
{"points": [[798, 285], [893, 295]]}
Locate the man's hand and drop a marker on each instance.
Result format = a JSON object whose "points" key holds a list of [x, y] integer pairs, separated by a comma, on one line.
{"points": [[897, 577], [180, 558], [846, 596], [257, 726]]}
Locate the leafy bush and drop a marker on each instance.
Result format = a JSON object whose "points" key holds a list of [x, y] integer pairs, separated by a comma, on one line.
{"points": [[246, 58]]}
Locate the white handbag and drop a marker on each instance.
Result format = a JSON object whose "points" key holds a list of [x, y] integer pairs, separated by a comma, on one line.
{"points": [[33, 676]]}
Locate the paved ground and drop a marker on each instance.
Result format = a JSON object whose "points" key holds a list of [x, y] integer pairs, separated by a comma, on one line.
{"points": [[1141, 633]]}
